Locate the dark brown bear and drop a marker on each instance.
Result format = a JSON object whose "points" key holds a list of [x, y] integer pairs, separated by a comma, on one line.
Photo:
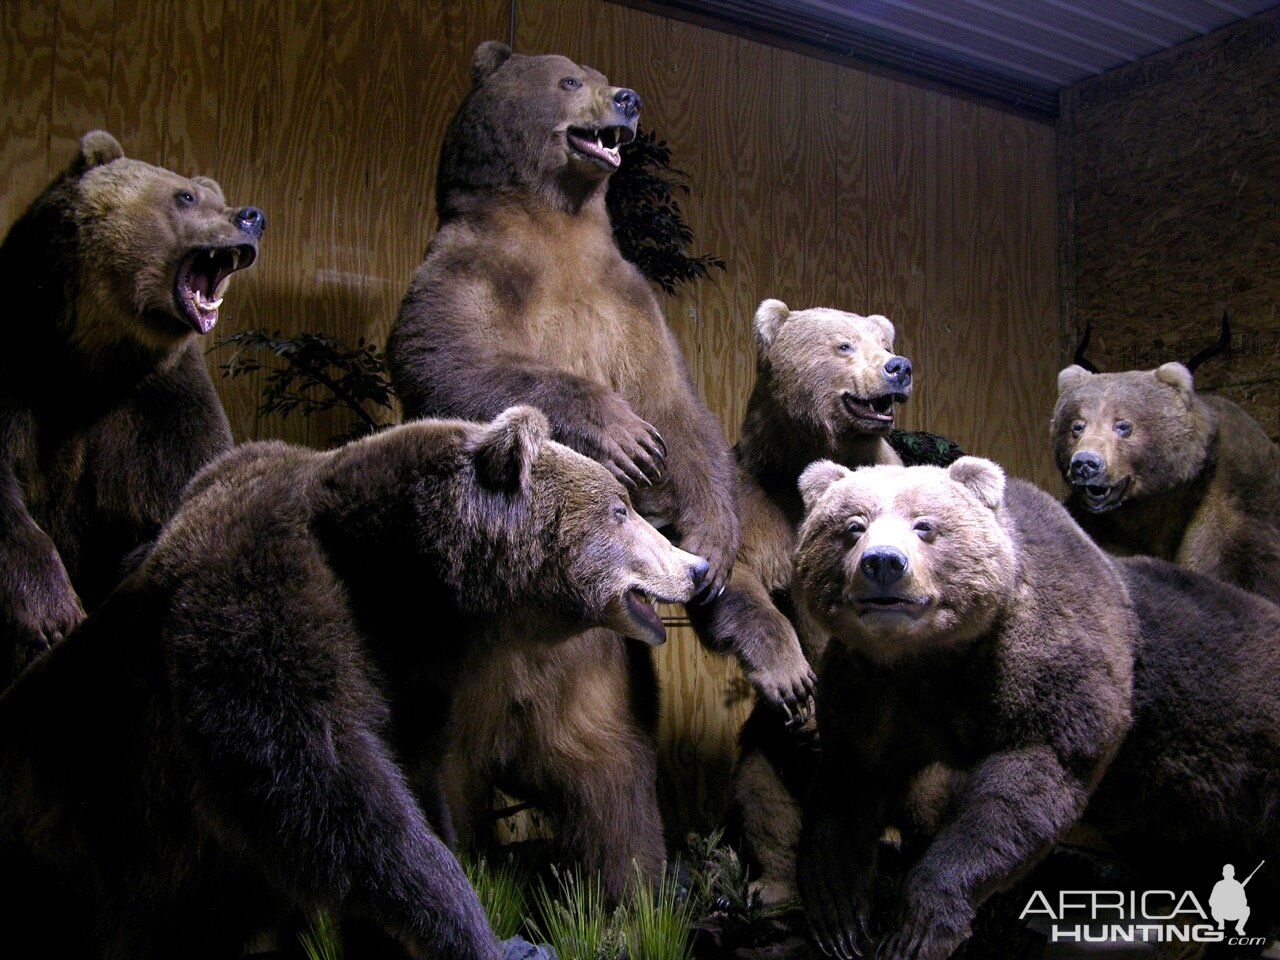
{"points": [[973, 625], [1197, 782], [218, 744], [1157, 469], [524, 297], [826, 385], [106, 410]]}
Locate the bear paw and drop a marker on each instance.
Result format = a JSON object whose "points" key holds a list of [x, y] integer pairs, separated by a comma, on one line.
{"points": [[787, 687], [934, 928], [630, 447]]}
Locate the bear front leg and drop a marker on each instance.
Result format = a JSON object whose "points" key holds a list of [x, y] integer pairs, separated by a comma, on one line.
{"points": [[744, 620], [1012, 808], [328, 815], [836, 861], [38, 605]]}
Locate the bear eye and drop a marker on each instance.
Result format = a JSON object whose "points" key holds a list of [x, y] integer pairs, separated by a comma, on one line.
{"points": [[185, 198], [1123, 428], [845, 347], [925, 530], [1077, 428], [620, 512], [856, 527], [570, 83]]}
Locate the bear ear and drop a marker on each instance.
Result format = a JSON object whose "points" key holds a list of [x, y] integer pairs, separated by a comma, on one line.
{"points": [[1072, 376], [96, 148], [489, 56], [983, 478], [885, 325], [770, 315], [817, 479], [511, 443], [1178, 377]]}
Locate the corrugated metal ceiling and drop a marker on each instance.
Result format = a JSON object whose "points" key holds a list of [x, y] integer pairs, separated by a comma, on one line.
{"points": [[1020, 51]]}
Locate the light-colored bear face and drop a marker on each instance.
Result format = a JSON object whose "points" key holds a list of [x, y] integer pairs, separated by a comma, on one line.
{"points": [[156, 249], [543, 123], [894, 561], [590, 558], [1119, 437], [834, 370]]}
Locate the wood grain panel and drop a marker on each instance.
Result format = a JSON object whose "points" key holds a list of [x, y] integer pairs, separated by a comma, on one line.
{"points": [[140, 76], [935, 352], [82, 49], [851, 200], [26, 92], [192, 127]]}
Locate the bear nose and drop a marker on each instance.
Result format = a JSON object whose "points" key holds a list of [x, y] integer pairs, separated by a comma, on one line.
{"points": [[251, 220], [883, 565], [1085, 467], [698, 572], [898, 370], [628, 102]]}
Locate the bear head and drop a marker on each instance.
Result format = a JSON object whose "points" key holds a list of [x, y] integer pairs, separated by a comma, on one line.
{"points": [[517, 528], [895, 561], [1120, 437], [535, 126], [832, 370], [141, 254]]}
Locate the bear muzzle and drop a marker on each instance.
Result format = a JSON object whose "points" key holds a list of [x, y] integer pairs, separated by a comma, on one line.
{"points": [[1087, 473]]}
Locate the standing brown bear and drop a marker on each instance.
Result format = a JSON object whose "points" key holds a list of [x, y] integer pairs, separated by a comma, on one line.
{"points": [[220, 743], [106, 410], [826, 385], [1157, 469], [524, 297]]}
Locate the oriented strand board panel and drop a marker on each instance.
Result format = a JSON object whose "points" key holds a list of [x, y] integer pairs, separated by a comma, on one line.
{"points": [[816, 183], [1170, 172]]}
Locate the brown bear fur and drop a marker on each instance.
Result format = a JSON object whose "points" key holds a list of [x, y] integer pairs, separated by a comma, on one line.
{"points": [[1197, 782], [106, 410], [973, 625], [826, 383], [524, 297], [1157, 469], [219, 743]]}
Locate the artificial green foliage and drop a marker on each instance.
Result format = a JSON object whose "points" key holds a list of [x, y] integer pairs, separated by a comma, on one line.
{"points": [[320, 939], [315, 373], [655, 922], [501, 890], [919, 448], [648, 224], [571, 915]]}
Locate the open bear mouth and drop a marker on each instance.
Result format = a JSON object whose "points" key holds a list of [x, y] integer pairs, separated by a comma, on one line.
{"points": [[1101, 497], [636, 615], [602, 145], [905, 606], [875, 411], [202, 281]]}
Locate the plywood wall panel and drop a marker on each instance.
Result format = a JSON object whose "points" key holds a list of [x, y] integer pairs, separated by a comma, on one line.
{"points": [[82, 50], [814, 182], [26, 92]]}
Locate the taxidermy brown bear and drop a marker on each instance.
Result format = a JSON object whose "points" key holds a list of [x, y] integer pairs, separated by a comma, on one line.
{"points": [[220, 743], [106, 410], [1156, 468], [524, 297]]}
